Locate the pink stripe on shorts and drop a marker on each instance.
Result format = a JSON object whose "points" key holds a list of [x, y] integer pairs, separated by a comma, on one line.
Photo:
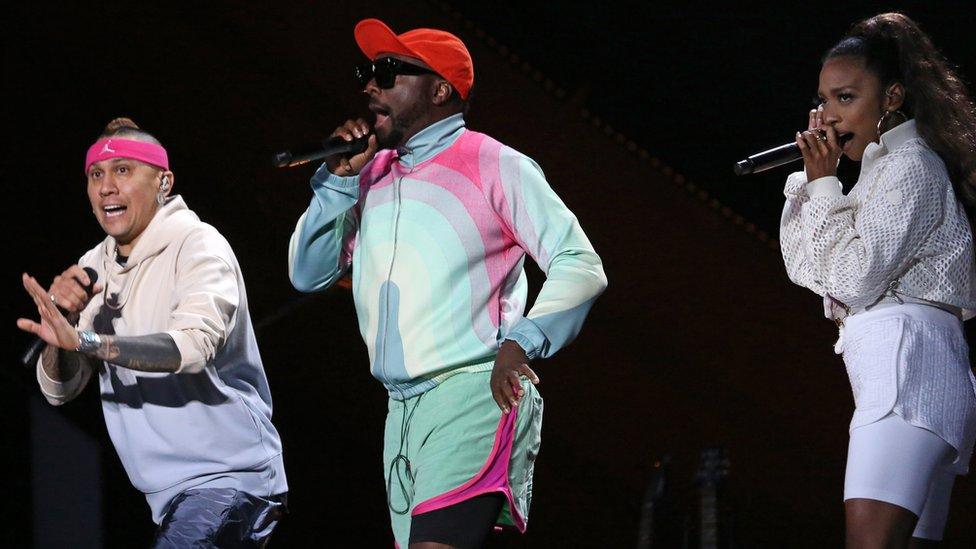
{"points": [[493, 476]]}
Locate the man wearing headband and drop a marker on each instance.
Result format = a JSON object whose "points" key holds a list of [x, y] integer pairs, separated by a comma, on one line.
{"points": [[166, 328], [435, 221]]}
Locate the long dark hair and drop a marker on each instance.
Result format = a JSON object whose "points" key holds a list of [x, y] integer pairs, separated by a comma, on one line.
{"points": [[895, 50]]}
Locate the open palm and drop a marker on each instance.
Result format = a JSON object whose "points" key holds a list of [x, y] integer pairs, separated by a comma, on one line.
{"points": [[53, 328]]}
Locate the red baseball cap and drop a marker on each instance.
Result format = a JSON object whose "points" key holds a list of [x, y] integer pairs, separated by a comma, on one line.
{"points": [[441, 50]]}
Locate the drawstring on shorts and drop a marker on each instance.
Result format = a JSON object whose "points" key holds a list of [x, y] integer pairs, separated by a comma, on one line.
{"points": [[401, 457]]}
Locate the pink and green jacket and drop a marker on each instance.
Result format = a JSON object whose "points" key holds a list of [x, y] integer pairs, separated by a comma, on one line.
{"points": [[436, 235]]}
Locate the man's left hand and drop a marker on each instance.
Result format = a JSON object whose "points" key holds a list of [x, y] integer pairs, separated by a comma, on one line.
{"points": [[506, 387]]}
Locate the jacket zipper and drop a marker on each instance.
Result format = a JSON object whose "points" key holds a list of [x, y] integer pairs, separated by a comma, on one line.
{"points": [[389, 274]]}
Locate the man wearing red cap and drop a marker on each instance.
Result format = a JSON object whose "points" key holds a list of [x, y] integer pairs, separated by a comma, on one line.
{"points": [[435, 221]]}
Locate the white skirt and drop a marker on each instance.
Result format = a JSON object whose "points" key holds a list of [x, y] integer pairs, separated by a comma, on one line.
{"points": [[913, 360]]}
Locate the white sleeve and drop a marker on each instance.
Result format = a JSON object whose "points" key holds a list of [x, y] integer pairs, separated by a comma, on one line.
{"points": [[792, 235], [207, 297], [857, 247], [59, 392]]}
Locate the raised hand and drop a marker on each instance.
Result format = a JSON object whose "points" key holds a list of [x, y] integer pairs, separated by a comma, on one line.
{"points": [[819, 146], [69, 290], [53, 328], [351, 130]]}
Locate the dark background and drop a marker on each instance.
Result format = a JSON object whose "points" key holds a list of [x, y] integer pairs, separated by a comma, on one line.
{"points": [[636, 113]]}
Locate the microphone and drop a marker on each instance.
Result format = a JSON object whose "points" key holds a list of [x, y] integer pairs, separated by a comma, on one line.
{"points": [[776, 157], [34, 349], [318, 151]]}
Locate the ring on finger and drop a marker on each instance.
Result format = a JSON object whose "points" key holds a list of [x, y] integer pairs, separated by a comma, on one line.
{"points": [[53, 300]]}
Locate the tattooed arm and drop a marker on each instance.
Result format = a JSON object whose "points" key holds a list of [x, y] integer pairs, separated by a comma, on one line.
{"points": [[206, 296], [60, 363], [149, 353]]}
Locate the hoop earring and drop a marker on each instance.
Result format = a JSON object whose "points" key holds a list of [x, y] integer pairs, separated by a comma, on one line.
{"points": [[883, 121]]}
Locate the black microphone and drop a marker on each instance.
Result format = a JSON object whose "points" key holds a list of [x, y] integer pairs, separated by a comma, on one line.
{"points": [[318, 151], [34, 349], [773, 158]]}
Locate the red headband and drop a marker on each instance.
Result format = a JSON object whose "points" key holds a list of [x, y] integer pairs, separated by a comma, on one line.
{"points": [[112, 147]]}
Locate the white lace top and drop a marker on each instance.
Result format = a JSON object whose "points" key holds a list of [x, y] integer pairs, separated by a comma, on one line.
{"points": [[900, 232]]}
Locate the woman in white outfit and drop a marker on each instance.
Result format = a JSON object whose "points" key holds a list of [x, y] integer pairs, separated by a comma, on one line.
{"points": [[893, 260]]}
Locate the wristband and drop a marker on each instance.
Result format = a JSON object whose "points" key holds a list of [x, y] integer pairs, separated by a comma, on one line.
{"points": [[89, 342]]}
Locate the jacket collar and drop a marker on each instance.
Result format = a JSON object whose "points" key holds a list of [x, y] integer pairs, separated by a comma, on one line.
{"points": [[890, 140], [430, 141]]}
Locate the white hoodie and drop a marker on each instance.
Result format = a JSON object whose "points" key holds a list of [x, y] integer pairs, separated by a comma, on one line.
{"points": [[209, 424]]}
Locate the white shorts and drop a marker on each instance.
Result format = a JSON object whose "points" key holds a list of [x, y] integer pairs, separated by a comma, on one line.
{"points": [[893, 461]]}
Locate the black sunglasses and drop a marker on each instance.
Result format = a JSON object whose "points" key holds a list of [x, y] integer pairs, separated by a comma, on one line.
{"points": [[385, 71]]}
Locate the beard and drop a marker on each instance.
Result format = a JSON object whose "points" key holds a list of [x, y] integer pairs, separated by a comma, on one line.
{"points": [[402, 127], [390, 140]]}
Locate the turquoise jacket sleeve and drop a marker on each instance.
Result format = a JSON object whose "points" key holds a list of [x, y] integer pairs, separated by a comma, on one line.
{"points": [[549, 232], [320, 250]]}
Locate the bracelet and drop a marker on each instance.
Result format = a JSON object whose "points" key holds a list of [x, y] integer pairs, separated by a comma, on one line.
{"points": [[88, 342]]}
